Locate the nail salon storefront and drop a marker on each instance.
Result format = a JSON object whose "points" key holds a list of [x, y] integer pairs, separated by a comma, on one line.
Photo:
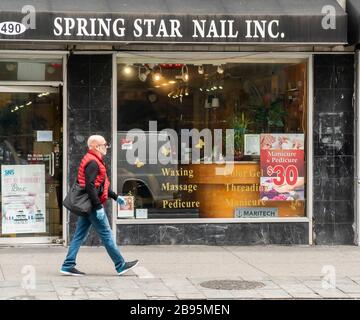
{"points": [[229, 124]]}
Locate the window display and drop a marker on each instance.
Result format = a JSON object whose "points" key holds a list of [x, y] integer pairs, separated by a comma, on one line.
{"points": [[219, 140]]}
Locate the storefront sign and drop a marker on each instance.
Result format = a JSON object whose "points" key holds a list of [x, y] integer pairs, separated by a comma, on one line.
{"points": [[315, 22], [23, 199], [282, 166], [256, 212]]}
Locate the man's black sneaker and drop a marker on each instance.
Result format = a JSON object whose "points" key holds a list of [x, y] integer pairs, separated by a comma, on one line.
{"points": [[72, 272], [128, 266]]}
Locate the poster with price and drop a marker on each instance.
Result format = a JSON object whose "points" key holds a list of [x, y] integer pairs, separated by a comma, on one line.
{"points": [[282, 167], [23, 198]]}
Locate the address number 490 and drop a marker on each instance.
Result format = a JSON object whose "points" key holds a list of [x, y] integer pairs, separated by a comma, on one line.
{"points": [[11, 28]]}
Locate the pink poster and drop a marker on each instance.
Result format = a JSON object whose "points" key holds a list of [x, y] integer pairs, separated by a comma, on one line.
{"points": [[282, 167]]}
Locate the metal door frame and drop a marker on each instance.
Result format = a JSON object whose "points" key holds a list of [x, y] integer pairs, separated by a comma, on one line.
{"points": [[53, 87]]}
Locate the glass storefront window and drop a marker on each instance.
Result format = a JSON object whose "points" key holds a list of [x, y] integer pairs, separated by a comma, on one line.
{"points": [[30, 161], [223, 140], [31, 69]]}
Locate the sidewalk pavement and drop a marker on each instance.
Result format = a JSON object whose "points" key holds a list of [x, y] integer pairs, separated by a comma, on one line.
{"points": [[176, 272]]}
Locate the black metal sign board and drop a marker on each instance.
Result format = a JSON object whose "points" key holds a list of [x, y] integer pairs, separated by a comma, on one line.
{"points": [[50, 26]]}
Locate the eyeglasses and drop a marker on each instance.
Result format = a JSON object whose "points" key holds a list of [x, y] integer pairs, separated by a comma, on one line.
{"points": [[106, 145]]}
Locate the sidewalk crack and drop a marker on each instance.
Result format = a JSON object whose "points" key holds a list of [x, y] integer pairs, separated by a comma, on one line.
{"points": [[247, 262], [2, 276]]}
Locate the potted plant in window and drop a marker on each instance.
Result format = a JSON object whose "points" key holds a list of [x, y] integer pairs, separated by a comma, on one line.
{"points": [[270, 116], [240, 124]]}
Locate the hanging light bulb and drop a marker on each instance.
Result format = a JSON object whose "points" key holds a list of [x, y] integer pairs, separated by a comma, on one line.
{"points": [[157, 75], [220, 69], [201, 69], [221, 84], [186, 91], [128, 70]]}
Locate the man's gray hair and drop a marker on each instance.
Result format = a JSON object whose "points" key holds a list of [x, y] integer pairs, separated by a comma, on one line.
{"points": [[94, 139]]}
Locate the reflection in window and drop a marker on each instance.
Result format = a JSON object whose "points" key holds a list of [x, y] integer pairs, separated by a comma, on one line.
{"points": [[31, 70], [261, 102]]}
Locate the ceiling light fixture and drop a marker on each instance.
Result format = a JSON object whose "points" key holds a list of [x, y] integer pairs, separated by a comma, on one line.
{"points": [[185, 73], [10, 66], [143, 74]]}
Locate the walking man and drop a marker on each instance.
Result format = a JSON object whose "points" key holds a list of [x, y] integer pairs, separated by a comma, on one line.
{"points": [[92, 175]]}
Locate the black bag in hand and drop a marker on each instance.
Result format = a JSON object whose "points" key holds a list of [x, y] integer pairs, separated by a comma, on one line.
{"points": [[78, 201]]}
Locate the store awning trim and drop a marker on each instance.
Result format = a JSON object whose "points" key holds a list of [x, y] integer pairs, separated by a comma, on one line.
{"points": [[175, 21]]}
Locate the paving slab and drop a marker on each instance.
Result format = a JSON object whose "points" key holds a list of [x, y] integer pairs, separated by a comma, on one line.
{"points": [[296, 288], [217, 294], [273, 294], [12, 293], [9, 284], [190, 296], [123, 284], [301, 295], [80, 297], [348, 288], [46, 296], [132, 295], [245, 294], [70, 291], [331, 293], [158, 293]]}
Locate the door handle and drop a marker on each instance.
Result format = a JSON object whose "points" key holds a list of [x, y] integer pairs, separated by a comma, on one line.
{"points": [[52, 164]]}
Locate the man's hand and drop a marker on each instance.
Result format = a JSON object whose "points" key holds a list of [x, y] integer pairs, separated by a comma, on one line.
{"points": [[100, 213], [121, 201]]}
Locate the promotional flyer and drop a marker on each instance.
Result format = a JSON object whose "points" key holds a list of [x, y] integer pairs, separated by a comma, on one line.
{"points": [[23, 199], [282, 167]]}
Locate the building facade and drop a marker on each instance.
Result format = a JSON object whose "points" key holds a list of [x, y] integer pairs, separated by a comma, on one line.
{"points": [[225, 128]]}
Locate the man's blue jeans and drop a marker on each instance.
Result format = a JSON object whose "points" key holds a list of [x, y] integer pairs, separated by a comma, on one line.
{"points": [[102, 227]]}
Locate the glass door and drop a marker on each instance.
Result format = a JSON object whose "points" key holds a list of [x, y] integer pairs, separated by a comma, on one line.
{"points": [[31, 162]]}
